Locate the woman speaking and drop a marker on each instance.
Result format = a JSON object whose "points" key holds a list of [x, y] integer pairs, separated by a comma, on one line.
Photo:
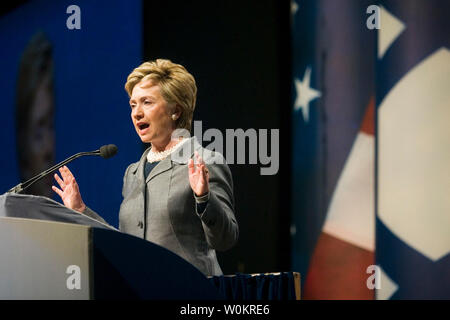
{"points": [[183, 203]]}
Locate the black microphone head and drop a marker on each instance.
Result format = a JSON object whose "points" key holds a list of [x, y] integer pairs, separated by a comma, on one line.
{"points": [[108, 151]]}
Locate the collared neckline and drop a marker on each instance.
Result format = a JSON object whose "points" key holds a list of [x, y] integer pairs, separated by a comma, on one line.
{"points": [[188, 149]]}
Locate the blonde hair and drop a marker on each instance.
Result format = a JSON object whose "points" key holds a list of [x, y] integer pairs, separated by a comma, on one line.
{"points": [[176, 84]]}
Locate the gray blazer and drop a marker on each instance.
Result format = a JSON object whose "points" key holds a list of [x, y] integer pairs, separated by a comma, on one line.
{"points": [[169, 215]]}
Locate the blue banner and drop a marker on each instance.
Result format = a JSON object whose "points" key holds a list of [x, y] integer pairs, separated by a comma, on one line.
{"points": [[63, 73]]}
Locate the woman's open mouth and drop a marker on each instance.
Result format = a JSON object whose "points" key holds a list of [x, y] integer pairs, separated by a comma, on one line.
{"points": [[143, 127]]}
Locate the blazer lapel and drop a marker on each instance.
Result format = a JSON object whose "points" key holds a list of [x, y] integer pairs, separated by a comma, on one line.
{"points": [[161, 167], [181, 157], [139, 169]]}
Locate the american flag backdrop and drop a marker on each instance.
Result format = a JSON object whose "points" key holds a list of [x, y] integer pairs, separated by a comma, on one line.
{"points": [[371, 146]]}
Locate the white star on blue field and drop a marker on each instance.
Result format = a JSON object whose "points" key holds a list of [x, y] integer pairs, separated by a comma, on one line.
{"points": [[305, 94]]}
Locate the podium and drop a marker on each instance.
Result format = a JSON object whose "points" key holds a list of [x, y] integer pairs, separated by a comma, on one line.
{"points": [[51, 252]]}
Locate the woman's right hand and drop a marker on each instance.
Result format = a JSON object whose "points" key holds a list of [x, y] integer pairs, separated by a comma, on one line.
{"points": [[69, 192]]}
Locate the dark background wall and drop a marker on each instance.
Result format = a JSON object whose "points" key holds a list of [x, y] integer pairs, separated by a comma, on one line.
{"points": [[239, 53]]}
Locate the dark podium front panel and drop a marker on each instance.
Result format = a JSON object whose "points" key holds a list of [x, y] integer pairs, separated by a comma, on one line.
{"points": [[143, 270]]}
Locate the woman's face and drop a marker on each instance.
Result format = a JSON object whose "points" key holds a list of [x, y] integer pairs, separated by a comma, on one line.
{"points": [[151, 114]]}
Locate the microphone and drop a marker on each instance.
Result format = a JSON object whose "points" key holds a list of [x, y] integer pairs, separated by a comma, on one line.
{"points": [[105, 152], [108, 151]]}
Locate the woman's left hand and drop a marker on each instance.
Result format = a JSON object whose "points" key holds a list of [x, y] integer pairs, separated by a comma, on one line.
{"points": [[198, 176]]}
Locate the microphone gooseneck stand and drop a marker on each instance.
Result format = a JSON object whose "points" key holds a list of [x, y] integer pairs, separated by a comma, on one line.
{"points": [[105, 151]]}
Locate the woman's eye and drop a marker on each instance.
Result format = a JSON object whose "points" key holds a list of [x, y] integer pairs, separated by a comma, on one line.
{"points": [[147, 102]]}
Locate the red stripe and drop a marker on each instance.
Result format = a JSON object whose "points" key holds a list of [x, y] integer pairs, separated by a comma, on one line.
{"points": [[338, 271], [368, 123]]}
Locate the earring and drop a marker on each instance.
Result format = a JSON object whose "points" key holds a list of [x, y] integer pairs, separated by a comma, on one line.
{"points": [[174, 117]]}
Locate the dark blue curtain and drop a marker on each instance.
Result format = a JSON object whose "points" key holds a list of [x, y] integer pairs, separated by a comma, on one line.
{"points": [[256, 287]]}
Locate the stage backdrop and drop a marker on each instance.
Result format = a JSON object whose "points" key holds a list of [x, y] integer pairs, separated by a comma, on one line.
{"points": [[62, 93], [370, 149]]}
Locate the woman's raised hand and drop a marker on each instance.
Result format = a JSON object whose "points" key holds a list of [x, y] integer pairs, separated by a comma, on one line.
{"points": [[69, 192], [198, 176]]}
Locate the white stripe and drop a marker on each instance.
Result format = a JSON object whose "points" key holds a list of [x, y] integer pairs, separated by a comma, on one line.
{"points": [[351, 215]]}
